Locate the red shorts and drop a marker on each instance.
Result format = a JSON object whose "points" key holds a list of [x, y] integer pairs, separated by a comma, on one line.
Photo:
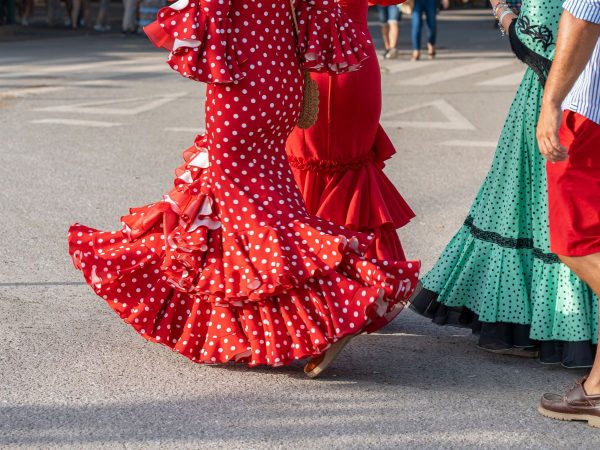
{"points": [[574, 189]]}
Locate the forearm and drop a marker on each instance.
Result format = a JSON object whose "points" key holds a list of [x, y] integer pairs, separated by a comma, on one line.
{"points": [[507, 20], [576, 42]]}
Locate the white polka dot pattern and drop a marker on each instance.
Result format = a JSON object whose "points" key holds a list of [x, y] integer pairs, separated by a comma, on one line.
{"points": [[202, 38], [229, 266], [209, 41], [328, 40]]}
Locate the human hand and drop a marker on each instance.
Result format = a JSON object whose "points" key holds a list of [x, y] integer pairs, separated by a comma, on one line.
{"points": [[547, 133], [445, 4]]}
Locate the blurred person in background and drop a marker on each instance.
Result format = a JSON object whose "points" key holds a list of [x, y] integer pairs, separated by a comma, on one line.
{"points": [[68, 9], [429, 8], [25, 11], [390, 16], [148, 11], [54, 11], [129, 24], [80, 14], [102, 19], [7, 12]]}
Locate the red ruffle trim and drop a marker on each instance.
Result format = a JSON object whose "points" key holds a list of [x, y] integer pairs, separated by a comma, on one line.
{"points": [[202, 48], [355, 193], [329, 165], [263, 296], [328, 40]]}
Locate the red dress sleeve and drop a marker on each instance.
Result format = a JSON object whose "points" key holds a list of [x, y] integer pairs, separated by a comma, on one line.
{"points": [[328, 40], [200, 36]]}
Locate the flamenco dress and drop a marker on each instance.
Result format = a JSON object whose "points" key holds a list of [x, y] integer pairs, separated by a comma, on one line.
{"points": [[338, 162], [229, 265], [498, 275]]}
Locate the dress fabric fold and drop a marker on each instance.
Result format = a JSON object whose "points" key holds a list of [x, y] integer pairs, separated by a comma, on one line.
{"points": [[338, 163]]}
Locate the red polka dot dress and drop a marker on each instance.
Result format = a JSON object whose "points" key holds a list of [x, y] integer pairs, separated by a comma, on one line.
{"points": [[229, 266]]}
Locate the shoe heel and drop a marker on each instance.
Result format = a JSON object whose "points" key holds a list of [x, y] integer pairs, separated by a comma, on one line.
{"points": [[594, 422], [330, 354]]}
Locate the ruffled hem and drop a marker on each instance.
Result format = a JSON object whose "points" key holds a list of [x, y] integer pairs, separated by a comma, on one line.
{"points": [[503, 337], [354, 193], [280, 293], [519, 288], [202, 48], [328, 40]]}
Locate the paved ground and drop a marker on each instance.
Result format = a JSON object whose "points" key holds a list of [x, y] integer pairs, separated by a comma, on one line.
{"points": [[92, 125]]}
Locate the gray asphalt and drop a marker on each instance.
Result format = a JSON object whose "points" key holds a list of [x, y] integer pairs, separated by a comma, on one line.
{"points": [[73, 376]]}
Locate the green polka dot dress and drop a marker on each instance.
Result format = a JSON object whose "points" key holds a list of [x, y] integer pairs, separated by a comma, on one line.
{"points": [[498, 271]]}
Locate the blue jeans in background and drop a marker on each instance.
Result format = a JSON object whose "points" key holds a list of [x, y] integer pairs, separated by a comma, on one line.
{"points": [[429, 7]]}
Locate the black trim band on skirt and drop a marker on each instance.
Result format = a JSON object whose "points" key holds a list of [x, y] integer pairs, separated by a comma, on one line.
{"points": [[503, 241], [503, 335], [538, 63]]}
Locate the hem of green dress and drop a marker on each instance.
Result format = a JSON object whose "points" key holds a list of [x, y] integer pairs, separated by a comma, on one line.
{"points": [[506, 283]]}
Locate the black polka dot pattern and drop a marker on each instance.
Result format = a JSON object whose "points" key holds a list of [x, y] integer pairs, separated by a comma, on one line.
{"points": [[502, 282]]}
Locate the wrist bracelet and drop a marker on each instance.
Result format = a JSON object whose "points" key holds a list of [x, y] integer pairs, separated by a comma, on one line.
{"points": [[503, 31], [501, 4], [501, 9], [504, 14]]}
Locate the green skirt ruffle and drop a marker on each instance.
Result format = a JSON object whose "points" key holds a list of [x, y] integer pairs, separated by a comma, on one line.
{"points": [[499, 264]]}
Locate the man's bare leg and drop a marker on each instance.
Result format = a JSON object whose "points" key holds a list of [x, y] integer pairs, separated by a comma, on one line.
{"points": [[588, 269]]}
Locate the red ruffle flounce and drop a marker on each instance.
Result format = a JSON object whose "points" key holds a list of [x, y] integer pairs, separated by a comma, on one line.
{"points": [[357, 194], [265, 295], [203, 48], [328, 41]]}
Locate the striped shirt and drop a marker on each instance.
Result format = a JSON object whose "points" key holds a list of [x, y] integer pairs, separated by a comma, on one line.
{"points": [[584, 98]]}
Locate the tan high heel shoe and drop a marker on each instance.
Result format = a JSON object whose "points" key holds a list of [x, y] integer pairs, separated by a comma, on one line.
{"points": [[318, 364], [416, 55], [431, 51]]}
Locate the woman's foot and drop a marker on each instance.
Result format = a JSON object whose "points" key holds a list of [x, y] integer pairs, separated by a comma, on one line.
{"points": [[392, 53], [416, 55], [431, 51], [318, 364], [102, 28]]}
